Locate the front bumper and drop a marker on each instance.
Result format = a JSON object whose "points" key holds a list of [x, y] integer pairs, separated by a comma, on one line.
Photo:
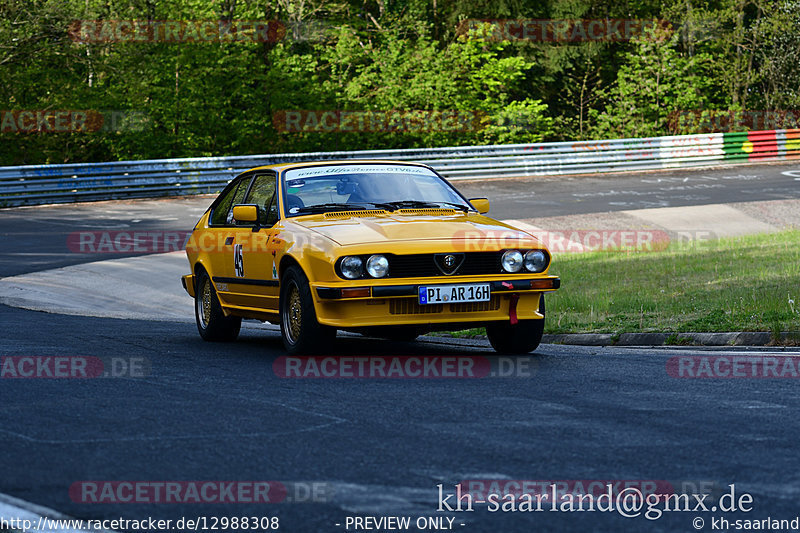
{"points": [[386, 291], [188, 284], [386, 304]]}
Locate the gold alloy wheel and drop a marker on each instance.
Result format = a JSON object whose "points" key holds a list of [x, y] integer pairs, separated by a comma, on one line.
{"points": [[204, 302], [293, 313]]}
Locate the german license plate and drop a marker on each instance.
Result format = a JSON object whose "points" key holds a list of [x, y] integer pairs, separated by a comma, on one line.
{"points": [[439, 294]]}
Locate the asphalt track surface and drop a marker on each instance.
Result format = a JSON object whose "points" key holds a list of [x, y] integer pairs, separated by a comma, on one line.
{"points": [[380, 447]]}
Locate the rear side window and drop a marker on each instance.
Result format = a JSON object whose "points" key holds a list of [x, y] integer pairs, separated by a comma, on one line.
{"points": [[223, 212], [263, 194]]}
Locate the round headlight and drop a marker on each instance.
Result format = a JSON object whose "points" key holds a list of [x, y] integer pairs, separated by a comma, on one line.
{"points": [[535, 261], [512, 261], [377, 266], [352, 267]]}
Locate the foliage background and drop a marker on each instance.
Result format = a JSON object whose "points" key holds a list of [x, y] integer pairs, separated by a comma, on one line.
{"points": [[209, 99]]}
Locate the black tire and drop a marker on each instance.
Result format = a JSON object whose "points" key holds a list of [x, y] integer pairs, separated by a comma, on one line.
{"points": [[394, 333], [299, 327], [212, 323], [520, 338]]}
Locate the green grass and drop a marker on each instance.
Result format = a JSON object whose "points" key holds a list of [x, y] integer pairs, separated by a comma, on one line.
{"points": [[747, 283]]}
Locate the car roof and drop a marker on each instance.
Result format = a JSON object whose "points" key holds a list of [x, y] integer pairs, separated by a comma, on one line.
{"points": [[280, 167]]}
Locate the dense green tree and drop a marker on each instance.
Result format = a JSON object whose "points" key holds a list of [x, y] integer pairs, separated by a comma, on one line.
{"points": [[218, 97], [654, 83]]}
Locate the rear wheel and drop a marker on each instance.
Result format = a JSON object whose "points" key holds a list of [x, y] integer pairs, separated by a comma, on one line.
{"points": [[212, 323], [520, 338], [299, 327]]}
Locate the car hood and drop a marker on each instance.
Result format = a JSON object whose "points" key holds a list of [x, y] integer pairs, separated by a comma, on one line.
{"points": [[364, 230]]}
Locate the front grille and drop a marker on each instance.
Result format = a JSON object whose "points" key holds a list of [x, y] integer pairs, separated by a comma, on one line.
{"points": [[474, 307], [407, 306], [424, 265]]}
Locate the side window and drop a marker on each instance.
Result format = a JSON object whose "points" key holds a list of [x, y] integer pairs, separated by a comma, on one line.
{"points": [[263, 194], [223, 212], [237, 199]]}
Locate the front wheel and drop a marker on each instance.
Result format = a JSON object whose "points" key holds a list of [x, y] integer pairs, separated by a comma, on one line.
{"points": [[299, 327], [520, 338], [212, 323]]}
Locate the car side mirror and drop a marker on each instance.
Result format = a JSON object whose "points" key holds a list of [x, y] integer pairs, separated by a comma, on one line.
{"points": [[246, 214], [481, 204]]}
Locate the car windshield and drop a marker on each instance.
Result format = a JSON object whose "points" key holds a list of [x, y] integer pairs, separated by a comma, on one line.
{"points": [[347, 187]]}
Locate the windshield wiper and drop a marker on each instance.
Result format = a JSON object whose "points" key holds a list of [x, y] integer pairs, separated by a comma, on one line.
{"points": [[421, 204], [462, 207], [321, 208]]}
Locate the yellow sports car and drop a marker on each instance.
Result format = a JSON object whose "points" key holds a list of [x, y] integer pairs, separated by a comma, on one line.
{"points": [[384, 248]]}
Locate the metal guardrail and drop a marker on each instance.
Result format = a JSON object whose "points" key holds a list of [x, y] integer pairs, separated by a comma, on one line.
{"points": [[45, 184]]}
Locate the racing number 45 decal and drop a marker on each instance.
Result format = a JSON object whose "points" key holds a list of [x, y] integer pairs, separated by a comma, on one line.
{"points": [[238, 260]]}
